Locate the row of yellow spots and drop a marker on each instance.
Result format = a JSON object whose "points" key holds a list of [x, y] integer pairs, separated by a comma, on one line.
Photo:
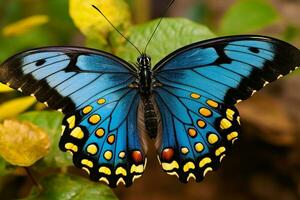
{"points": [[225, 124], [198, 147], [230, 113], [105, 170], [119, 171], [94, 119], [86, 110], [209, 102], [101, 132], [169, 167]]}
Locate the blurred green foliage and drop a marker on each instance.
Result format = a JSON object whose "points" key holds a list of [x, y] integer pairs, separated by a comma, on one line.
{"points": [[62, 187], [60, 30], [248, 16]]}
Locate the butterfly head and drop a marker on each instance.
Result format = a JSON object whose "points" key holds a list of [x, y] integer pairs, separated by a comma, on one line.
{"points": [[144, 61]]}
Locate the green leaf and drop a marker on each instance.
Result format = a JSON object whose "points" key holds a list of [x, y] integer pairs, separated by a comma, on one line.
{"points": [[62, 187], [248, 16], [172, 34], [50, 121]]}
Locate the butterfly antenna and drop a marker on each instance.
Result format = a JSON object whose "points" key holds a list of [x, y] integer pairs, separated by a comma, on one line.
{"points": [[116, 28], [170, 4]]}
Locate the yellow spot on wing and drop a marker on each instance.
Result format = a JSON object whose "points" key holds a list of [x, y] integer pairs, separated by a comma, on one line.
{"points": [[213, 138], [188, 166], [192, 132], [199, 147], [121, 170], [225, 124], [87, 163], [105, 170], [232, 135], [71, 121], [71, 146], [170, 166], [195, 96], [184, 150], [94, 119], [111, 139], [220, 150], [137, 169], [122, 154], [204, 162], [108, 155], [101, 101], [212, 103], [201, 123], [229, 114], [77, 133], [87, 109], [100, 132], [205, 112], [92, 149]]}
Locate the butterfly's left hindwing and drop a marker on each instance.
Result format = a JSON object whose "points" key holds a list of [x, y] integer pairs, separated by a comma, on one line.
{"points": [[92, 89], [104, 140], [197, 87]]}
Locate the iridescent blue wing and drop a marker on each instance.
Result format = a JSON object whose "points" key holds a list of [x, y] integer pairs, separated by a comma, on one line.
{"points": [[93, 89], [197, 87]]}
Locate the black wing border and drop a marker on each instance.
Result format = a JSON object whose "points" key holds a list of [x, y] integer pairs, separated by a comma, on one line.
{"points": [[224, 39], [72, 49]]}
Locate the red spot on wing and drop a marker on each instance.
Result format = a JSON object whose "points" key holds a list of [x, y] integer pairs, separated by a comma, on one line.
{"points": [[167, 154], [137, 157]]}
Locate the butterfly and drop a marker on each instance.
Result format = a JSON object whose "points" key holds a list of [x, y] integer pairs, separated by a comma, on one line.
{"points": [[188, 101]]}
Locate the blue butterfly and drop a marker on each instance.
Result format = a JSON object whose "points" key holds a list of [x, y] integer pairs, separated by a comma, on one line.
{"points": [[187, 101]]}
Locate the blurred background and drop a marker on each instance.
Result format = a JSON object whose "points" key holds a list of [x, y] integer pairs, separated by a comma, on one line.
{"points": [[263, 165]]}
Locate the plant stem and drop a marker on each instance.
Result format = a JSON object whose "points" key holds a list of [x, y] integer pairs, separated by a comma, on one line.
{"points": [[33, 179]]}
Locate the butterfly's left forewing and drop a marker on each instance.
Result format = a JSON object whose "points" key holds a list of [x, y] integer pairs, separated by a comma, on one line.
{"points": [[92, 89], [197, 88]]}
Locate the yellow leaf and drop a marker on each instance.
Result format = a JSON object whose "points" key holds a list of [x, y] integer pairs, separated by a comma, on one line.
{"points": [[24, 25], [15, 107], [22, 143], [5, 88], [91, 23]]}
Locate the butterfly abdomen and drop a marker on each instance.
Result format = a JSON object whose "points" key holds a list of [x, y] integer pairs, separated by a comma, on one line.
{"points": [[150, 118]]}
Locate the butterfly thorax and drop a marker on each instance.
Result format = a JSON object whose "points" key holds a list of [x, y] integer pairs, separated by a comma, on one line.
{"points": [[145, 88], [145, 76]]}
